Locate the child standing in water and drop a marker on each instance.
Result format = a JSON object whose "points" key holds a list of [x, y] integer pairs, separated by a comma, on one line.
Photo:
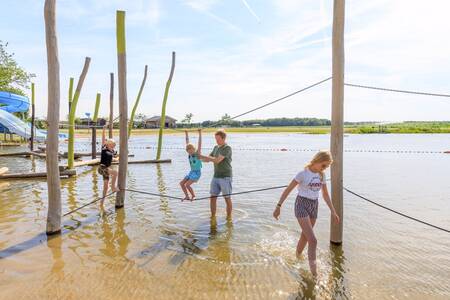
{"points": [[309, 181], [105, 169], [196, 166]]}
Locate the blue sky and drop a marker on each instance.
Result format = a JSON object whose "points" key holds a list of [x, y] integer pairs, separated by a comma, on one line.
{"points": [[233, 55]]}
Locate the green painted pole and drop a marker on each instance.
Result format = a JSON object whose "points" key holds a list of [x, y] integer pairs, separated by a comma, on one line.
{"points": [[70, 93], [133, 112], [94, 130], [163, 111], [32, 117], [73, 108], [123, 107]]}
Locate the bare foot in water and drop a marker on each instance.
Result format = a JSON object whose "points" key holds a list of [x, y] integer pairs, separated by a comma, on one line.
{"points": [[115, 189], [185, 198]]}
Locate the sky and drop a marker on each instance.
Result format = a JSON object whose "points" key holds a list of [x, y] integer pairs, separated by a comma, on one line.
{"points": [[233, 55]]}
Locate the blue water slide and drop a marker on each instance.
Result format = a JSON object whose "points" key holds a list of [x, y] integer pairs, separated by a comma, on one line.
{"points": [[11, 103]]}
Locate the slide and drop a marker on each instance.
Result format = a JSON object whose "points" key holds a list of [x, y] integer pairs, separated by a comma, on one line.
{"points": [[12, 103]]}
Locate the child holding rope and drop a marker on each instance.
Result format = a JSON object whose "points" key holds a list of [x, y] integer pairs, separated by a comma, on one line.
{"points": [[105, 169], [309, 181], [196, 166]]}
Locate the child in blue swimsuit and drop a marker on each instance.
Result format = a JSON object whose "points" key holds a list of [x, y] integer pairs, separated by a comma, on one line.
{"points": [[196, 167]]}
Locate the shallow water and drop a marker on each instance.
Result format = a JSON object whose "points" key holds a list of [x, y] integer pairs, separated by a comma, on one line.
{"points": [[161, 248]]}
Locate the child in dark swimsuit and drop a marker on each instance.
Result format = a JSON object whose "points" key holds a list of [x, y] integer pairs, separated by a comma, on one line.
{"points": [[196, 166], [105, 169]]}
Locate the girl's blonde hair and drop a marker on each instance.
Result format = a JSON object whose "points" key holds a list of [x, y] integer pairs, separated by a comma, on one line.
{"points": [[190, 146], [319, 157], [110, 142]]}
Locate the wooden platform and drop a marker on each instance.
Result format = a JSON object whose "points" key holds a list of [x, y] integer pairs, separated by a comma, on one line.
{"points": [[10, 144], [94, 162], [63, 173]]}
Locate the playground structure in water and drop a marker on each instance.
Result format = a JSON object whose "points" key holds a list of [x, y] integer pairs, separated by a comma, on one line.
{"points": [[11, 103]]}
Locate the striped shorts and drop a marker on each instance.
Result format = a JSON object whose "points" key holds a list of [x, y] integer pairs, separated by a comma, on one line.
{"points": [[305, 207]]}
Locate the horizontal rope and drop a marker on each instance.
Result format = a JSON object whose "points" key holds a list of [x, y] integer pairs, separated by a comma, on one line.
{"points": [[207, 197], [395, 211], [305, 150], [396, 90]]}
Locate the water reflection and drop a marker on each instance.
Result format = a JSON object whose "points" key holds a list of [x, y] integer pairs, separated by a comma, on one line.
{"points": [[54, 243], [115, 242]]}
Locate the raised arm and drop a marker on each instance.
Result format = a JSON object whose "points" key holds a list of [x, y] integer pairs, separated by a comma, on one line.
{"points": [[284, 195], [199, 146], [104, 135], [186, 134]]}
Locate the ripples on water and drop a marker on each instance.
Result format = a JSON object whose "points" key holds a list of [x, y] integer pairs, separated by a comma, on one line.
{"points": [[162, 248]]}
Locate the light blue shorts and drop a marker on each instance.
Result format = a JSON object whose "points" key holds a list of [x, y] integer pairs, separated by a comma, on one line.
{"points": [[221, 185], [193, 175]]}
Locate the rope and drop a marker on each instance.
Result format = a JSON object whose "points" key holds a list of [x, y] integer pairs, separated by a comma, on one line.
{"points": [[264, 105], [284, 186], [397, 212], [207, 197], [87, 204], [396, 90], [309, 150]]}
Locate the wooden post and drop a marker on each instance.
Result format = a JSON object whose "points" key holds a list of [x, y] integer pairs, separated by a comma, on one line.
{"points": [[70, 94], [73, 108], [32, 117], [94, 129], [111, 105], [53, 181], [130, 125], [337, 119], [163, 112], [123, 106]]}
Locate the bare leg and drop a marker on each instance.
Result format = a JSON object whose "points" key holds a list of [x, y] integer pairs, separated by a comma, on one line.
{"points": [[302, 241], [113, 174], [213, 205], [307, 230], [189, 188], [229, 207], [183, 187]]}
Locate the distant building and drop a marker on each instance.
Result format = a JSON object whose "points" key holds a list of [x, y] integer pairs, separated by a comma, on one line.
{"points": [[155, 121]]}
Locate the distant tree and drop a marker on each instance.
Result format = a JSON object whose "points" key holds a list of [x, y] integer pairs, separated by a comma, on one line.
{"points": [[13, 78], [187, 119], [139, 120]]}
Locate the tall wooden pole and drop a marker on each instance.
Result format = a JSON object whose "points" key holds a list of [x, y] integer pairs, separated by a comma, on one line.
{"points": [[70, 93], [123, 107], [163, 111], [53, 181], [73, 108], [94, 129], [136, 103], [32, 117], [337, 119], [111, 105]]}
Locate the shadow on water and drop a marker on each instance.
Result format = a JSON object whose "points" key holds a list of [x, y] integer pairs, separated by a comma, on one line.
{"points": [[334, 287]]}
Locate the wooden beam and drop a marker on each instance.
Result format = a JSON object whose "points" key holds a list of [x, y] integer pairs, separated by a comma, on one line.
{"points": [[53, 174], [163, 110], [123, 107], [111, 105], [94, 129], [70, 96], [136, 103], [73, 108], [337, 119], [63, 173]]}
